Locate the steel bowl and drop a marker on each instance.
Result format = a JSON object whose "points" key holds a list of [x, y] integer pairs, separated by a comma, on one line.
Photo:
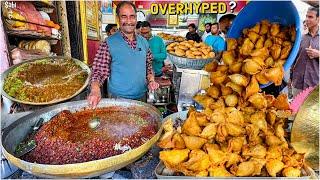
{"points": [[17, 131], [166, 42], [187, 63], [5, 74]]}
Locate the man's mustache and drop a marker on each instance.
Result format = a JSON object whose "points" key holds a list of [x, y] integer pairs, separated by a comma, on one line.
{"points": [[127, 24]]}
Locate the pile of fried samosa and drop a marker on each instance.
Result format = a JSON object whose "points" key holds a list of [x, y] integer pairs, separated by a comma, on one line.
{"points": [[191, 49], [241, 130], [260, 51]]}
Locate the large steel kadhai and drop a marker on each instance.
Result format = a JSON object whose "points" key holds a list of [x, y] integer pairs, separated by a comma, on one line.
{"points": [[305, 130], [83, 66], [17, 131]]}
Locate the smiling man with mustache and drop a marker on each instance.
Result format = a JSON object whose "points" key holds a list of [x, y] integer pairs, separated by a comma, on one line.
{"points": [[125, 59]]}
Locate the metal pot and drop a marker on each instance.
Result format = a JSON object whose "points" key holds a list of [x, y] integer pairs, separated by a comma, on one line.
{"points": [[17, 131], [305, 129], [78, 62]]}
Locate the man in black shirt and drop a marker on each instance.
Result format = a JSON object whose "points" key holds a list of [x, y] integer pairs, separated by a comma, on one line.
{"points": [[192, 34], [111, 29], [138, 26]]}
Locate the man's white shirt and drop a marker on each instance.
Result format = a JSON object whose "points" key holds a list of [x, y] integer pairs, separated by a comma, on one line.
{"points": [[205, 35]]}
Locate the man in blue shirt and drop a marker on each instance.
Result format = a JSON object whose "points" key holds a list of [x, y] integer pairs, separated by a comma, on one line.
{"points": [[157, 47], [214, 40]]}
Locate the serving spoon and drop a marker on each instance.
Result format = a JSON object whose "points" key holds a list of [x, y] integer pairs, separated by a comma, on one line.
{"points": [[74, 74], [24, 148], [94, 123]]}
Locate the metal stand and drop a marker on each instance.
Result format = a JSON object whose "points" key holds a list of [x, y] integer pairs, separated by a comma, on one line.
{"points": [[187, 83], [161, 96]]}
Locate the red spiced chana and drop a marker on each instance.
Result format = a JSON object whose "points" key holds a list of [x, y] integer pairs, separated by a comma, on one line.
{"points": [[67, 138]]}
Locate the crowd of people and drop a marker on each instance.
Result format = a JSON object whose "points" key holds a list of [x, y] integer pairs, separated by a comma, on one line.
{"points": [[128, 78], [214, 33]]}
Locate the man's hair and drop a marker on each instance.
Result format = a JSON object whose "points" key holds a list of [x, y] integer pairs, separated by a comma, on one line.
{"points": [[145, 24], [227, 16], [208, 24], [138, 26], [192, 25], [119, 6], [110, 26], [213, 24], [316, 9]]}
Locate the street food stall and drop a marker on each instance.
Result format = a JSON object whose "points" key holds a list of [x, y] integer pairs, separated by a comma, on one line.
{"points": [[209, 118]]}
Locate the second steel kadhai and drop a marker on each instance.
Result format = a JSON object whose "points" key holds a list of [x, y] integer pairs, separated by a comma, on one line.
{"points": [[16, 132]]}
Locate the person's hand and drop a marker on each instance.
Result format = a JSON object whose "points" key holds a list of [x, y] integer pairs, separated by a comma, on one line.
{"points": [[94, 97], [153, 85], [166, 68], [312, 53]]}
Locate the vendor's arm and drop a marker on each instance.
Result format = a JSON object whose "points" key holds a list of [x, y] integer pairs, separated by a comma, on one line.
{"points": [[163, 52], [101, 64], [100, 71], [152, 85]]}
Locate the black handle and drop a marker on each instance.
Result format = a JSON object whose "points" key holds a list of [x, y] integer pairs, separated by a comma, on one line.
{"points": [[38, 124]]}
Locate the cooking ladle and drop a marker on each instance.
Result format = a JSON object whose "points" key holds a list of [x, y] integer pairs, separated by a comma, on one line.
{"points": [[72, 75], [94, 123]]}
